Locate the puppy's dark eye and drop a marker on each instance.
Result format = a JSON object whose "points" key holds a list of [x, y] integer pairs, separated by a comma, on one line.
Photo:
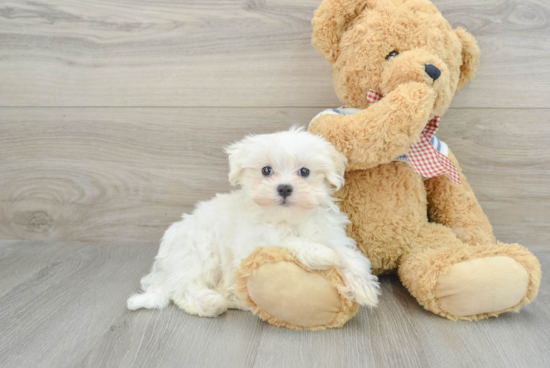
{"points": [[303, 172], [392, 55], [266, 171]]}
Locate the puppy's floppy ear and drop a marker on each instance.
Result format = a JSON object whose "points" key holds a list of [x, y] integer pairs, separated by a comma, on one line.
{"points": [[336, 167], [470, 57], [237, 153], [331, 20]]}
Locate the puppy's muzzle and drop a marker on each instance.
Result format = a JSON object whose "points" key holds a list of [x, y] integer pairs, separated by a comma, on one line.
{"points": [[284, 190]]}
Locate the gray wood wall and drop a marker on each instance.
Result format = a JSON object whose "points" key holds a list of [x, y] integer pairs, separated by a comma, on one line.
{"points": [[113, 114]]}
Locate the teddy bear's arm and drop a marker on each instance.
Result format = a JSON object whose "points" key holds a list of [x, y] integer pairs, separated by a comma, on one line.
{"points": [[457, 208], [381, 132]]}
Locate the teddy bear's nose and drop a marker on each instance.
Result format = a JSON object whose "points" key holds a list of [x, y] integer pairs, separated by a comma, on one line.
{"points": [[432, 71]]}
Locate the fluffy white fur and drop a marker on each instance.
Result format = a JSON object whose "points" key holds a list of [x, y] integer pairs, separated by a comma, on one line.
{"points": [[198, 256]]}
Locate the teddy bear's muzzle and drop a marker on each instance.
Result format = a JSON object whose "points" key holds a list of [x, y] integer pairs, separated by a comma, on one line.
{"points": [[417, 65], [420, 66]]}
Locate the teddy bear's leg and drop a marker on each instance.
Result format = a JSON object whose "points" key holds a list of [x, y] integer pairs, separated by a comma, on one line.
{"points": [[459, 281], [283, 292]]}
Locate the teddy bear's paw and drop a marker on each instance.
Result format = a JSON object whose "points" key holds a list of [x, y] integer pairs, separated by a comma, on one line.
{"points": [[363, 289], [412, 102], [320, 125], [318, 257], [483, 285], [285, 293], [418, 95]]}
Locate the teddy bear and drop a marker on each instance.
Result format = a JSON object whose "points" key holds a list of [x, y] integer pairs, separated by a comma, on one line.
{"points": [[397, 65], [400, 63]]}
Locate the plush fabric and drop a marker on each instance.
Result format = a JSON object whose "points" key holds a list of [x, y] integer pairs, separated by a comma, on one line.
{"points": [[482, 285], [295, 303], [432, 232], [283, 292], [435, 142]]}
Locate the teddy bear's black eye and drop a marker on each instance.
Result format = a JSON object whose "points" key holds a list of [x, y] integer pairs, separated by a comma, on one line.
{"points": [[303, 172], [266, 171], [392, 54]]}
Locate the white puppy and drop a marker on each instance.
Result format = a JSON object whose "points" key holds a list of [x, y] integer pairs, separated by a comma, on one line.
{"points": [[287, 180]]}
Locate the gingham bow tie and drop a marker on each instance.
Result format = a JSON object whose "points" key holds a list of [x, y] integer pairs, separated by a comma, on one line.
{"points": [[423, 157]]}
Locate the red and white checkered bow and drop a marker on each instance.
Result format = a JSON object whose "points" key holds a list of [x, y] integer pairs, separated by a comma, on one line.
{"points": [[423, 157]]}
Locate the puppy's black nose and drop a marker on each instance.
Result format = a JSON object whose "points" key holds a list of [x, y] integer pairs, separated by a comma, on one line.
{"points": [[284, 190], [432, 71]]}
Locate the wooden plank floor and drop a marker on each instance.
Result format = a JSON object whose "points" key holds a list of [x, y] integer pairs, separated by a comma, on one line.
{"points": [[63, 305]]}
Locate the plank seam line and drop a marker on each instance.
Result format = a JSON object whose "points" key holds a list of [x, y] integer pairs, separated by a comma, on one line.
{"points": [[243, 107]]}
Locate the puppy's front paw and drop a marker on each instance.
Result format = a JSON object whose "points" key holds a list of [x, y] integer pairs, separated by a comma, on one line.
{"points": [[318, 257], [362, 289]]}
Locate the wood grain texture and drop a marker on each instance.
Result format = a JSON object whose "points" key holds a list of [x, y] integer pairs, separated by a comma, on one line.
{"points": [[234, 53], [116, 174], [88, 285], [124, 174], [21, 260], [506, 158], [71, 313]]}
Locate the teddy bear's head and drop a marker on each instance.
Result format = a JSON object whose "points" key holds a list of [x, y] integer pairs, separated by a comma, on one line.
{"points": [[380, 44]]}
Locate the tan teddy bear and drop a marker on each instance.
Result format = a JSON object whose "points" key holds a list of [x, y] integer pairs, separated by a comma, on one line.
{"points": [[397, 65], [431, 230]]}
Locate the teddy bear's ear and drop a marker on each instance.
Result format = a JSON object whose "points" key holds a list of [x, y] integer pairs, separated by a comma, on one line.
{"points": [[470, 57], [331, 20]]}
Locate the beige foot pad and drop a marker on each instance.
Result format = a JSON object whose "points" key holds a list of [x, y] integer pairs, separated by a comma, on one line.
{"points": [[285, 293], [482, 285]]}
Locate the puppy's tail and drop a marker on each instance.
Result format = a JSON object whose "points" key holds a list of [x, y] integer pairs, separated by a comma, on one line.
{"points": [[149, 300], [153, 296]]}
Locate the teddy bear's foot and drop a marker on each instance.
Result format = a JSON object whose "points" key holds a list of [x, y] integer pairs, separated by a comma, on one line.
{"points": [[480, 286], [283, 292], [458, 281]]}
